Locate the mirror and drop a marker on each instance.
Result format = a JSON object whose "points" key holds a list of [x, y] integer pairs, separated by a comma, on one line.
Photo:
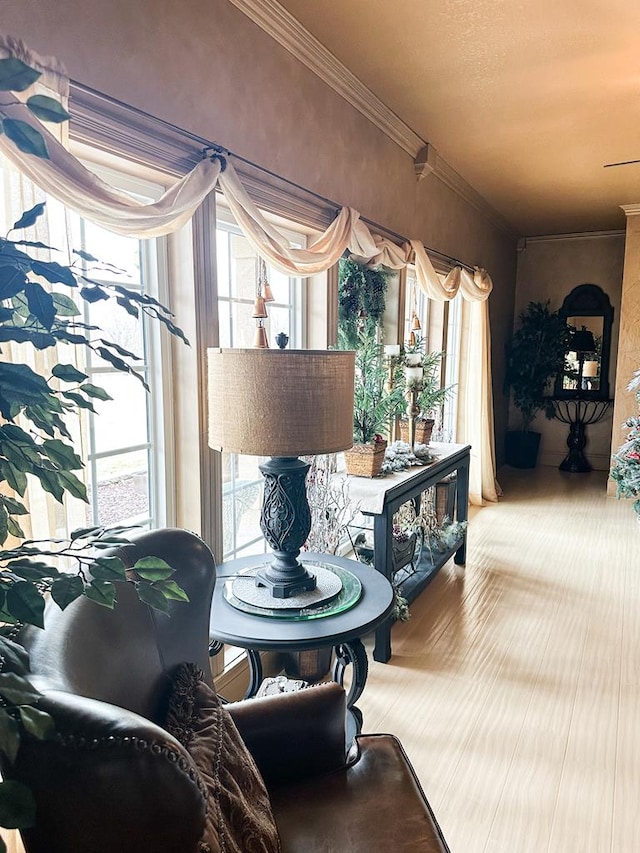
{"points": [[589, 315]]}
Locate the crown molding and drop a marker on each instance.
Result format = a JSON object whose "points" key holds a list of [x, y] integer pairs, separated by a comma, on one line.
{"points": [[575, 235], [280, 24]]}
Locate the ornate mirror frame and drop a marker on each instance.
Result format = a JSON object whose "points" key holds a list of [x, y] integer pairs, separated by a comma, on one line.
{"points": [[584, 302]]}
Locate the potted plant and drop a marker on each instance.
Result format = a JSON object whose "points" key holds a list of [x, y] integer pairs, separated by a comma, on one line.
{"points": [[625, 470], [431, 394], [536, 354], [373, 405]]}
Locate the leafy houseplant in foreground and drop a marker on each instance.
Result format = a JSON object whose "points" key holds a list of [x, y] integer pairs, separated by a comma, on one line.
{"points": [[626, 460], [37, 310], [35, 442]]}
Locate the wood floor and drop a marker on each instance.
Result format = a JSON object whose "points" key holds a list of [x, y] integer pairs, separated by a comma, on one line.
{"points": [[515, 686]]}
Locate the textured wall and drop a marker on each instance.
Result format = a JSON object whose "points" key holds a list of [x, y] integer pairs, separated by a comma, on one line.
{"points": [[629, 348], [550, 269]]}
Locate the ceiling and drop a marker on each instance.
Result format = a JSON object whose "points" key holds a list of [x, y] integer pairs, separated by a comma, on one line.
{"points": [[527, 101]]}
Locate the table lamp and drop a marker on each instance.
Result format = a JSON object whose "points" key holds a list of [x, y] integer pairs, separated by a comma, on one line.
{"points": [[282, 404]]}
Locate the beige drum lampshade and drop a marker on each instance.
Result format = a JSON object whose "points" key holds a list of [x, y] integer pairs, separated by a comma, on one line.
{"points": [[267, 402]]}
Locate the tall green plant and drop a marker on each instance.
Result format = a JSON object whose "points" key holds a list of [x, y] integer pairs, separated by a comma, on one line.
{"points": [[373, 403], [536, 354]]}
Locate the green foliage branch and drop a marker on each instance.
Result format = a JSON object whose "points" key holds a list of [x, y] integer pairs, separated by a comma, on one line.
{"points": [[373, 403], [361, 300]]}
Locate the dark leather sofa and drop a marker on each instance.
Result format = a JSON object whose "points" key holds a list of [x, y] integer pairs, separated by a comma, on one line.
{"points": [[114, 781]]}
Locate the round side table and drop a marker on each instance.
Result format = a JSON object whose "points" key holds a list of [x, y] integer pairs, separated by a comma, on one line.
{"points": [[341, 631]]}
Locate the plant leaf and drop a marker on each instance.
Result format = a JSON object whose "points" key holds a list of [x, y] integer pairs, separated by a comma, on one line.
{"points": [[16, 76], [17, 806], [54, 272], [95, 391], [47, 109], [153, 569], [63, 455], [108, 569], [37, 723], [68, 373], [29, 216], [26, 604], [15, 656], [40, 303], [66, 589], [65, 306], [9, 735], [153, 597], [102, 592], [93, 294], [12, 281], [171, 590], [17, 690], [25, 137]]}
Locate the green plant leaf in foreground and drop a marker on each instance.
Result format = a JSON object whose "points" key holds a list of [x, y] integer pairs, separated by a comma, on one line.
{"points": [[37, 723], [25, 137], [153, 569], [17, 806], [16, 76]]}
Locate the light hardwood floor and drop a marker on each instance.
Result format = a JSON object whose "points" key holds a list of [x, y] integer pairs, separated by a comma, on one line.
{"points": [[515, 686]]}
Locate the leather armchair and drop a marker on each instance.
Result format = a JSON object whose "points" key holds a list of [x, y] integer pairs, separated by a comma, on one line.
{"points": [[114, 779]]}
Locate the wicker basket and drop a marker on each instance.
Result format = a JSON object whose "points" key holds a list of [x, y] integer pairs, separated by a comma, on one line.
{"points": [[424, 427], [365, 460], [446, 498]]}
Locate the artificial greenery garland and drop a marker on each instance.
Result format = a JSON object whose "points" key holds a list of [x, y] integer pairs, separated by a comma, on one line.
{"points": [[626, 461], [361, 300]]}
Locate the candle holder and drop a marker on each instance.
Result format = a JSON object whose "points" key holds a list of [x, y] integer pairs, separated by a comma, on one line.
{"points": [[412, 410]]}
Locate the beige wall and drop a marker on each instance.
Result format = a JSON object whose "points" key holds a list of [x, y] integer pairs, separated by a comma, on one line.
{"points": [[203, 66], [629, 348], [549, 268]]}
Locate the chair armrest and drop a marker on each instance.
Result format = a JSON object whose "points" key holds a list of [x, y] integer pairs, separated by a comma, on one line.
{"points": [[294, 735], [109, 780]]}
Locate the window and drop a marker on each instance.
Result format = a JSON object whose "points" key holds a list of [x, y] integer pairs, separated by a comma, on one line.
{"points": [[122, 445], [441, 326], [237, 272]]}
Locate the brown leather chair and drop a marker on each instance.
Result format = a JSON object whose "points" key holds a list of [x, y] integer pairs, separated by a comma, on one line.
{"points": [[113, 780]]}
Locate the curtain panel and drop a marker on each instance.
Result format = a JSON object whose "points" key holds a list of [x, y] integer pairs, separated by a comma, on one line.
{"points": [[65, 178]]}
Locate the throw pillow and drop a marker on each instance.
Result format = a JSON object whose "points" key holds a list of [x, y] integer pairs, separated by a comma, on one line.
{"points": [[239, 816]]}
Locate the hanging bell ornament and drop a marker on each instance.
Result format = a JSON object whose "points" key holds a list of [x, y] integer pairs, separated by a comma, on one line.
{"points": [[259, 309], [415, 322], [268, 293], [260, 340]]}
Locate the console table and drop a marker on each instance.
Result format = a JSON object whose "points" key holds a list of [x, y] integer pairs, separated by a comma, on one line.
{"points": [[381, 497]]}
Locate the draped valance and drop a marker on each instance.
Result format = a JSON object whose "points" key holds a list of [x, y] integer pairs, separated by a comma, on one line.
{"points": [[65, 178]]}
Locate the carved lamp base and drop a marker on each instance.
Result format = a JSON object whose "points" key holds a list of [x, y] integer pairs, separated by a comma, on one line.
{"points": [[285, 522]]}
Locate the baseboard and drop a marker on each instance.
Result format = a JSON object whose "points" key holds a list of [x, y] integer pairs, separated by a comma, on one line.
{"points": [[598, 461]]}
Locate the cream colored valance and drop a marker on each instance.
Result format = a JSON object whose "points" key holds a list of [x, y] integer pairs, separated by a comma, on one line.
{"points": [[64, 177]]}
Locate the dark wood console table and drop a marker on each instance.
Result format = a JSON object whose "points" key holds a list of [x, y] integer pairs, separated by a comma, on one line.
{"points": [[382, 497]]}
